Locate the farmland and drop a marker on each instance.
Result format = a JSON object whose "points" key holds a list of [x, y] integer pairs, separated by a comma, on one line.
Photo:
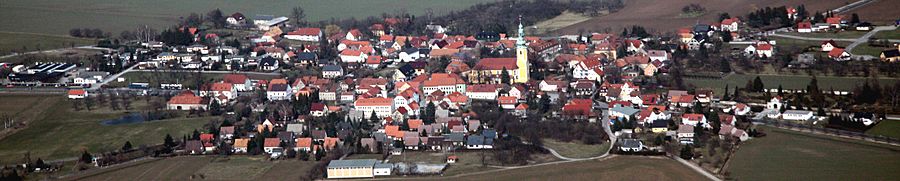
{"points": [[563, 20], [57, 17], [786, 81], [889, 128], [663, 16], [789, 155], [56, 131], [883, 12], [215, 168], [613, 168], [15, 42]]}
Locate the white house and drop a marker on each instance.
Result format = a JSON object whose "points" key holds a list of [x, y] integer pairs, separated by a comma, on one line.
{"points": [[409, 55], [305, 34], [827, 46], [775, 103], [353, 56], [685, 134], [797, 115], [278, 92], [77, 94], [383, 107]]}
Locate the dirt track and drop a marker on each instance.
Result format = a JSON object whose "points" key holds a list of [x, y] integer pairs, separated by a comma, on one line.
{"points": [[663, 15]]}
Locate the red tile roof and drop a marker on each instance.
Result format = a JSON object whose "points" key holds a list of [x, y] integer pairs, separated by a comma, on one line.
{"points": [[306, 32], [235, 78], [304, 142], [186, 97], [496, 64], [375, 101], [271, 142], [414, 123], [74, 92]]}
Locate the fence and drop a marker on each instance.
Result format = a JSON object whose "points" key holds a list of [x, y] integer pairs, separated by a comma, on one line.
{"points": [[829, 131]]}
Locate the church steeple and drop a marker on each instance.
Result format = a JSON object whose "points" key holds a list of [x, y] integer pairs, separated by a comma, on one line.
{"points": [[522, 65], [521, 39]]}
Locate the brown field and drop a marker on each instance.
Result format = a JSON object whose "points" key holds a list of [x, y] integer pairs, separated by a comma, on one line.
{"points": [[664, 16], [613, 168], [880, 12]]}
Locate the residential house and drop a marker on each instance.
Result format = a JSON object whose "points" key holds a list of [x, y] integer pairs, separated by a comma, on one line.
{"points": [[186, 100], [685, 134], [305, 34], [240, 82], [332, 71], [279, 92], [77, 94], [797, 115], [838, 54], [382, 107]]}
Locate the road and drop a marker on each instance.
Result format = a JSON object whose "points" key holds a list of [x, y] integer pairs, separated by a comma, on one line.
{"points": [[110, 78], [856, 41], [89, 47], [865, 38], [131, 69]]}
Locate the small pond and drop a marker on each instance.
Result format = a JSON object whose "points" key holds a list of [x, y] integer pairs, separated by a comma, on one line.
{"points": [[126, 119]]}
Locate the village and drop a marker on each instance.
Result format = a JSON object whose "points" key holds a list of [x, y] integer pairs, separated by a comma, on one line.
{"points": [[365, 101]]}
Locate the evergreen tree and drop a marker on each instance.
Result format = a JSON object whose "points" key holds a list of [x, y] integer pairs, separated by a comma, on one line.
{"points": [[758, 85], [304, 155], [215, 108], [687, 152], [429, 117], [726, 96], [127, 146], [854, 19], [86, 157], [504, 76], [726, 36], [168, 142]]}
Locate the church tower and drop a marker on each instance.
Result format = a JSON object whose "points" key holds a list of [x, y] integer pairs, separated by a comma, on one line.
{"points": [[521, 56]]}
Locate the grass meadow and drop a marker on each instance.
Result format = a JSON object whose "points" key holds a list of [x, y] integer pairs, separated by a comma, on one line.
{"points": [[55, 131], [57, 17], [790, 155]]}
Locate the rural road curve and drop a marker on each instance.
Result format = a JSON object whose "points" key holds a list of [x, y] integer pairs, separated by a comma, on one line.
{"points": [[866, 37], [856, 41]]}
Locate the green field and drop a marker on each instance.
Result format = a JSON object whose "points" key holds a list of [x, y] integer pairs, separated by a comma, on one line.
{"points": [[889, 128], [842, 34], [786, 81], [57, 17], [575, 149], [865, 49], [14, 42], [211, 167], [790, 42], [614, 168], [187, 79], [790, 155], [58, 132], [888, 34]]}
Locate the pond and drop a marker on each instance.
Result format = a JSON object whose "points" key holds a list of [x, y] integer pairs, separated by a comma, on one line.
{"points": [[126, 119]]}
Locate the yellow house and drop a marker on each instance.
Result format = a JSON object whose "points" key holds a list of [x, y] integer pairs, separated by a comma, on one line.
{"points": [[358, 168], [659, 126]]}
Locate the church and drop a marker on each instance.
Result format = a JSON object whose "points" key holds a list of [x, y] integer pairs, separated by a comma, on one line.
{"points": [[490, 70]]}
